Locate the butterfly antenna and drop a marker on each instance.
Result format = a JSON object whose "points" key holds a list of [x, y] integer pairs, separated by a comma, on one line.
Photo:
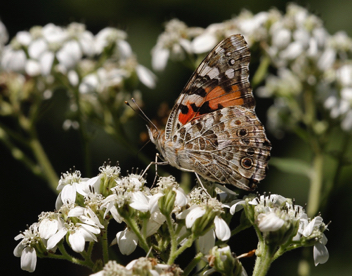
{"points": [[144, 117]]}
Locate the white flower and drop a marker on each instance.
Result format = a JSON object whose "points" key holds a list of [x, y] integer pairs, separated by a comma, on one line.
{"points": [[26, 248], [107, 36], [82, 234], [327, 59], [69, 54], [24, 38], [13, 60], [280, 38], [37, 48], [127, 241], [54, 34]]}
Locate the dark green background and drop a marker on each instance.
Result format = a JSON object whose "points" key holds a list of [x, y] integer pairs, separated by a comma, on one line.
{"points": [[23, 196]]}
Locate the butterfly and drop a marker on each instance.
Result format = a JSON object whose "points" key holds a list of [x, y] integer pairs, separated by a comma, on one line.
{"points": [[213, 129]]}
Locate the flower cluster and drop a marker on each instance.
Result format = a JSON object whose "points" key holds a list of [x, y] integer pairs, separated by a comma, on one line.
{"points": [[284, 225], [164, 221], [96, 70], [305, 57], [141, 266]]}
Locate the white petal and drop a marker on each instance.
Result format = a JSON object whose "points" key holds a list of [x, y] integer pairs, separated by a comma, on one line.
{"points": [[268, 222], [193, 215], [69, 54], [24, 38], [13, 60], [311, 225], [86, 40], [73, 77], [140, 202], [153, 202], [68, 194], [159, 58], [37, 48], [124, 48], [327, 59], [181, 198], [17, 252], [54, 34], [204, 43], [222, 230], [154, 223], [89, 84], [127, 241], [32, 68], [320, 254], [47, 228], [55, 239], [77, 242], [146, 76], [46, 62], [292, 51], [76, 212], [237, 206], [28, 259]]}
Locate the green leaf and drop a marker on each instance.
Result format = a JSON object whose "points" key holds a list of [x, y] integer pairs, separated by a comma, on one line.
{"points": [[291, 165]]}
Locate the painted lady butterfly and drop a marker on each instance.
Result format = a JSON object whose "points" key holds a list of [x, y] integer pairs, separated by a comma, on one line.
{"points": [[212, 129]]}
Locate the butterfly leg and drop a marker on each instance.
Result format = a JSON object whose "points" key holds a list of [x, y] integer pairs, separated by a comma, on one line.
{"points": [[156, 163]]}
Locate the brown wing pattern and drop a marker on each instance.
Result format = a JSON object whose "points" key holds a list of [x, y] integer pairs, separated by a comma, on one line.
{"points": [[227, 146]]}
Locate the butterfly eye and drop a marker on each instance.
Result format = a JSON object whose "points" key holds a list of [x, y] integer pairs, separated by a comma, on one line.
{"points": [[246, 163]]}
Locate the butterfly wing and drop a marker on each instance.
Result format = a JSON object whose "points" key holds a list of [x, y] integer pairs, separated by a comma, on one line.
{"points": [[221, 80]]}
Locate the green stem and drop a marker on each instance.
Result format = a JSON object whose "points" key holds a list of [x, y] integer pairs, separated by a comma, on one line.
{"points": [[43, 162], [193, 264], [261, 71], [173, 237], [83, 133], [264, 259], [19, 155], [86, 262], [315, 184], [187, 244], [104, 242]]}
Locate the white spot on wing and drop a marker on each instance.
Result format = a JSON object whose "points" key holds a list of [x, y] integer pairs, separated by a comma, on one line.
{"points": [[211, 72], [230, 73]]}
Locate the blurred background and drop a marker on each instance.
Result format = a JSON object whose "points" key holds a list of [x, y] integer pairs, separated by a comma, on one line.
{"points": [[24, 196]]}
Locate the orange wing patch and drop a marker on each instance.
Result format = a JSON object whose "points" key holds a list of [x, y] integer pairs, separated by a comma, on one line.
{"points": [[216, 98]]}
